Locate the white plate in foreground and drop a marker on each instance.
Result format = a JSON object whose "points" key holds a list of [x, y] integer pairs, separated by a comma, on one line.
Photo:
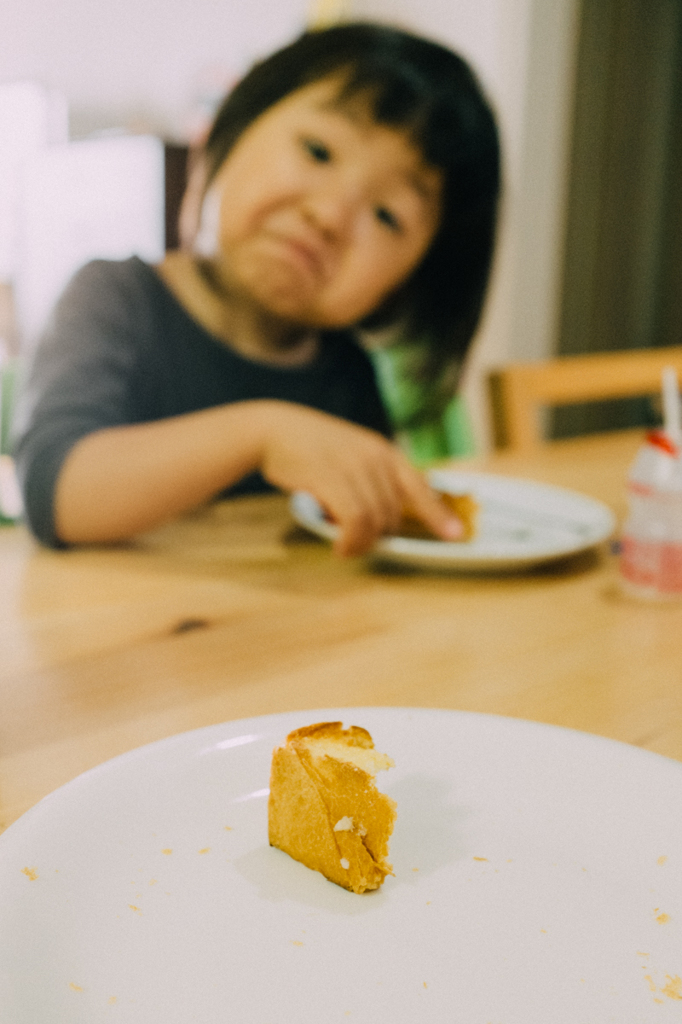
{"points": [[538, 878], [521, 523]]}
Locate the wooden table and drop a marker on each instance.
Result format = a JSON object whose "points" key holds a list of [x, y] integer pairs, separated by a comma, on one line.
{"points": [[231, 612]]}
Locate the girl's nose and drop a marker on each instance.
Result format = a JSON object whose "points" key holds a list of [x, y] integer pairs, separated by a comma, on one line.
{"points": [[332, 208]]}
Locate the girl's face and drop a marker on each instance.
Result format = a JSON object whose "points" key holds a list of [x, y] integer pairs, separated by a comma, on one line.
{"points": [[322, 212]]}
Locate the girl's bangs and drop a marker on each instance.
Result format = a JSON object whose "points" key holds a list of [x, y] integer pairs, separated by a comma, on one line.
{"points": [[397, 100]]}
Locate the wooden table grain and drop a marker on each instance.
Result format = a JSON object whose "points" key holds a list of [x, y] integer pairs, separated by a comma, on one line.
{"points": [[233, 612]]}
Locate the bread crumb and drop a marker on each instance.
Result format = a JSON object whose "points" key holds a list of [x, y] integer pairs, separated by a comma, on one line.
{"points": [[641, 954], [136, 909], [415, 869], [166, 851], [480, 858], [206, 849], [663, 918], [112, 1000], [344, 825], [30, 873], [661, 860], [345, 863], [154, 881], [673, 989], [296, 942], [74, 987], [425, 985], [652, 987]]}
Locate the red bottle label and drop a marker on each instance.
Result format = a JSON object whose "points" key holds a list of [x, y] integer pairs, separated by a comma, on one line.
{"points": [[661, 440], [653, 564]]}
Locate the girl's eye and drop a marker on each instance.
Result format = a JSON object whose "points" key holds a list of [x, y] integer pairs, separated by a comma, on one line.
{"points": [[384, 216], [317, 150]]}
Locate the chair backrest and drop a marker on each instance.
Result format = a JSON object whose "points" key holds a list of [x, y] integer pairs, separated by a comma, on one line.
{"points": [[519, 392]]}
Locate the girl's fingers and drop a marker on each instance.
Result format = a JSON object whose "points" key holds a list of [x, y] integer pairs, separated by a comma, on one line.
{"points": [[371, 498], [362, 514], [363, 481], [367, 503], [357, 532], [425, 504], [388, 493]]}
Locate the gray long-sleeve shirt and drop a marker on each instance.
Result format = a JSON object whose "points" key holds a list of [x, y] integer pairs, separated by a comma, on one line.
{"points": [[121, 349]]}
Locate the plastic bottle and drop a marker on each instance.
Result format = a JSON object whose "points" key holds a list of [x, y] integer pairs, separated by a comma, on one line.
{"points": [[651, 553]]}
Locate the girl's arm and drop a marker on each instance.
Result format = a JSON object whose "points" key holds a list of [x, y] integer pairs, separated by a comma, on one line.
{"points": [[123, 480]]}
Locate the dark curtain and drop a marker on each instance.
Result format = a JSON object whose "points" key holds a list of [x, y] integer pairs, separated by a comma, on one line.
{"points": [[623, 253]]}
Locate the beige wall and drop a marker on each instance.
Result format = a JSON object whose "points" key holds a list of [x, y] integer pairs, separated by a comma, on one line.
{"points": [[138, 63]]}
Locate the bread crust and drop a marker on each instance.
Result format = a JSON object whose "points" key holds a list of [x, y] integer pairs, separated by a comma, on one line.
{"points": [[325, 811], [463, 506]]}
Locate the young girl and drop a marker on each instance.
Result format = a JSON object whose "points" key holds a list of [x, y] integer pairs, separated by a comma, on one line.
{"points": [[349, 181]]}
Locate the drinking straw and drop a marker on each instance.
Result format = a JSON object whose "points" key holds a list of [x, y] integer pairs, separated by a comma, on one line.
{"points": [[672, 419]]}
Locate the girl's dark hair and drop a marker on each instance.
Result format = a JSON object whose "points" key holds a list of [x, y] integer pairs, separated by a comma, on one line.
{"points": [[429, 92]]}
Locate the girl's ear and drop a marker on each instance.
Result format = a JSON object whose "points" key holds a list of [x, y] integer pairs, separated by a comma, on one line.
{"points": [[189, 217]]}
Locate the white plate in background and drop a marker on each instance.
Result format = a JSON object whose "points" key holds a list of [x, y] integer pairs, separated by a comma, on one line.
{"points": [[521, 523], [538, 878]]}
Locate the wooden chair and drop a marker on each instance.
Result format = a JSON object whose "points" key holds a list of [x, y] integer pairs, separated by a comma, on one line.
{"points": [[519, 392]]}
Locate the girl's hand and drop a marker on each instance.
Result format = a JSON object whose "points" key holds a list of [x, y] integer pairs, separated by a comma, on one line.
{"points": [[119, 481], [362, 481]]}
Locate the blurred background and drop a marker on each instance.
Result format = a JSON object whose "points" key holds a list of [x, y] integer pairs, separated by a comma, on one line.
{"points": [[100, 102]]}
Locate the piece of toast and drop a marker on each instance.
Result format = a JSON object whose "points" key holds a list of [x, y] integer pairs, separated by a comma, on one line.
{"points": [[464, 506], [324, 808], [461, 505]]}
